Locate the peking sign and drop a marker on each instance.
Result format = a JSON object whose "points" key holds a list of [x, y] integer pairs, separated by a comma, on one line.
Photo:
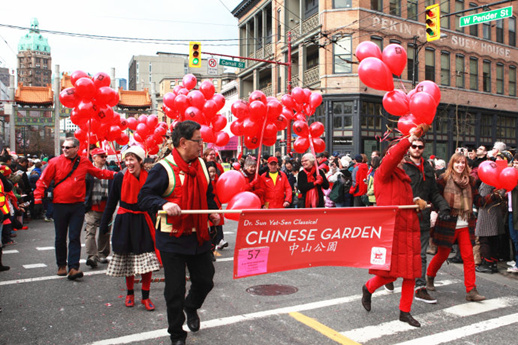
{"points": [[484, 17]]}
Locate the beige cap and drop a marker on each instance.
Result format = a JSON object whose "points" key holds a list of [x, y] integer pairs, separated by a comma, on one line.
{"points": [[137, 150]]}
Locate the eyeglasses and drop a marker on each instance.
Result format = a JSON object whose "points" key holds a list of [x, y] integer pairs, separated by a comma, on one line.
{"points": [[103, 156], [199, 141], [419, 147], [67, 147]]}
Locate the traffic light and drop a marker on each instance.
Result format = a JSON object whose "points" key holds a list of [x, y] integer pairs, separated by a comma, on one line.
{"points": [[433, 22], [194, 54]]}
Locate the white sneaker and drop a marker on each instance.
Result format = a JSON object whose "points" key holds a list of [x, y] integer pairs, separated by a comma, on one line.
{"points": [[222, 244], [513, 269], [511, 263]]}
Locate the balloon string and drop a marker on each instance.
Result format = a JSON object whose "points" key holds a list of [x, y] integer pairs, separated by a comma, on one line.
{"points": [[88, 143], [402, 85], [240, 148], [260, 149]]}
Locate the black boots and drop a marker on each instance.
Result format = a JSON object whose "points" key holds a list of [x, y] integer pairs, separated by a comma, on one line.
{"points": [[406, 317], [486, 267], [2, 267], [366, 298]]}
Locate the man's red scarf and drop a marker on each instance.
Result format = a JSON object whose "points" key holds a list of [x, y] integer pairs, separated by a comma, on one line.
{"points": [[194, 197], [312, 194]]}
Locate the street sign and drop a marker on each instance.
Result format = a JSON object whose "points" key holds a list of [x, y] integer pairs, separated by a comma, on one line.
{"points": [[484, 17], [212, 66], [231, 63]]}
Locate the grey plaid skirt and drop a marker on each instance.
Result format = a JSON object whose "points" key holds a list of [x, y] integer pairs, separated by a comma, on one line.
{"points": [[123, 265]]}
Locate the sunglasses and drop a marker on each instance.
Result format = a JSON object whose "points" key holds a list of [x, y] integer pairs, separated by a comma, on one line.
{"points": [[103, 156], [420, 147], [67, 147]]}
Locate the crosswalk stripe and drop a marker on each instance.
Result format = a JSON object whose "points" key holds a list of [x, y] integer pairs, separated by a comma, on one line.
{"points": [[28, 267], [368, 333], [39, 279], [462, 332], [12, 251], [44, 248]]}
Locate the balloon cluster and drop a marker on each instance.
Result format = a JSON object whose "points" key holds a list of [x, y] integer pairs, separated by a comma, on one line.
{"points": [[298, 106], [498, 174], [91, 100], [230, 189], [376, 70], [201, 106], [148, 132], [258, 120]]}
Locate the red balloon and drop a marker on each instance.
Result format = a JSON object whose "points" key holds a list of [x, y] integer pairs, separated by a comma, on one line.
{"points": [[181, 103], [85, 88], [142, 119], [92, 125], [106, 114], [281, 123], [153, 150], [406, 123], [509, 178], [315, 100], [270, 130], [222, 138], [189, 81], [236, 127], [207, 134], [287, 113], [395, 57], [319, 145], [194, 114], [288, 101], [298, 95], [423, 106], [269, 141], [229, 184], [396, 103], [257, 110], [488, 173], [307, 95], [257, 96], [368, 49], [316, 129], [86, 109], [301, 145], [75, 76], [251, 127], [375, 74], [431, 88], [123, 124], [240, 109], [137, 137], [220, 101], [219, 123], [196, 99], [152, 121], [242, 201], [123, 140], [252, 142], [142, 130], [107, 96], [101, 79], [236, 166], [80, 134], [77, 119], [207, 88], [273, 109], [69, 98], [210, 109], [116, 120], [168, 99], [114, 133], [132, 123], [301, 128]]}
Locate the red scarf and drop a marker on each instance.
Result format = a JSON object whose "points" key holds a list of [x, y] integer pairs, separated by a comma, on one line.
{"points": [[194, 197], [311, 200]]}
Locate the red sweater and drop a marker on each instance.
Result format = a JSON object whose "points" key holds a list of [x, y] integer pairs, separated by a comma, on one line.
{"points": [[276, 194]]}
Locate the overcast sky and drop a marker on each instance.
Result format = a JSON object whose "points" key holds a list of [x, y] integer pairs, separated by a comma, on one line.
{"points": [[190, 20]]}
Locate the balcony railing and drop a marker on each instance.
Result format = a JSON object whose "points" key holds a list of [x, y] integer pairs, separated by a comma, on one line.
{"points": [[311, 76], [268, 90]]}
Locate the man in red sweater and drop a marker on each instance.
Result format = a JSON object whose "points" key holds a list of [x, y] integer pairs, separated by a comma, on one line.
{"points": [[277, 189], [68, 172]]}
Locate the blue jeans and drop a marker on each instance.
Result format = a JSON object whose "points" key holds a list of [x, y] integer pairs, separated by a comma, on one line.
{"points": [[514, 236], [68, 218]]}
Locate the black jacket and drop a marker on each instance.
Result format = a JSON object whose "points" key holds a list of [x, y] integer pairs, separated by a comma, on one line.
{"points": [[425, 188], [89, 188]]}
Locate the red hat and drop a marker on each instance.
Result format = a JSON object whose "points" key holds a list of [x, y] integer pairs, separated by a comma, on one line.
{"points": [[273, 159], [97, 151], [5, 170]]}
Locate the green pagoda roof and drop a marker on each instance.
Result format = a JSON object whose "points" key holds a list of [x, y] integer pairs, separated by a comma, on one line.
{"points": [[34, 40]]}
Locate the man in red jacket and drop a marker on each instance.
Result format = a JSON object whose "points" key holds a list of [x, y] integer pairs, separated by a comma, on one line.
{"points": [[277, 189], [68, 172]]}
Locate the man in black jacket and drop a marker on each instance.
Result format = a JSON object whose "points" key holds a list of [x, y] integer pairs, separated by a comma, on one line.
{"points": [[425, 190]]}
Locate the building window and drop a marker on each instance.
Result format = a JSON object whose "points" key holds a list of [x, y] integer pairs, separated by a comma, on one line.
{"points": [[429, 69], [410, 62], [395, 7], [459, 71], [459, 6], [215, 82], [137, 67], [473, 73], [311, 8], [500, 31], [486, 76], [500, 78], [378, 41], [377, 5], [370, 116], [411, 8], [428, 3], [279, 25], [473, 29], [486, 30], [445, 9], [343, 55], [512, 31], [342, 115], [172, 84], [445, 68], [342, 3], [512, 81]]}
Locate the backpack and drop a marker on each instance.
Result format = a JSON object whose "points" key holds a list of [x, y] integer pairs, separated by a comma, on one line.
{"points": [[337, 192]]}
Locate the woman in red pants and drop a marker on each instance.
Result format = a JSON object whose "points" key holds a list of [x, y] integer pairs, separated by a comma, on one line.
{"points": [[458, 189], [392, 187]]}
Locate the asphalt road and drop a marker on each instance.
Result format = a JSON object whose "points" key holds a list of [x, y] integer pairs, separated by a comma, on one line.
{"points": [[322, 306]]}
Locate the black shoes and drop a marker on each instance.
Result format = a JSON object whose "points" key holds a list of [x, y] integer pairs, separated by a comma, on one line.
{"points": [[178, 342], [406, 317], [92, 263], [366, 298], [193, 320]]}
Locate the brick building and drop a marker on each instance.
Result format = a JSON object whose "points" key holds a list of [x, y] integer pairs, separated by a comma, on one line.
{"points": [[475, 67], [34, 59]]}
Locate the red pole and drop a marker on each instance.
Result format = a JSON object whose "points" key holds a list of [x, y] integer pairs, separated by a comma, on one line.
{"points": [[288, 129]]}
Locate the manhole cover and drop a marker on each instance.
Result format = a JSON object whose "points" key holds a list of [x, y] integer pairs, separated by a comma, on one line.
{"points": [[271, 290]]}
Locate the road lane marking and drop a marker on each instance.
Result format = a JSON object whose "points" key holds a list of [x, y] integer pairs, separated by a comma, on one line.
{"points": [[45, 248], [128, 339], [12, 251], [369, 333], [39, 279], [225, 259], [462, 332], [319, 327], [28, 267]]}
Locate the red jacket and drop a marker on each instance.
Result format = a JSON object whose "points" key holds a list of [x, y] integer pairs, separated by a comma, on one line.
{"points": [[73, 189], [360, 186], [276, 194], [392, 187]]}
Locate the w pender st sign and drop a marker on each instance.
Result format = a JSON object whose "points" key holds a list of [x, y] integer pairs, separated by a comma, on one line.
{"points": [[484, 17]]}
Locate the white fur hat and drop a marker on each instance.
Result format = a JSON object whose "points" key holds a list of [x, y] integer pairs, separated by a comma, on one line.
{"points": [[137, 150]]}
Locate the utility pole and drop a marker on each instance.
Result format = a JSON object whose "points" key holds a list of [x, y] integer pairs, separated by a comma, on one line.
{"points": [[57, 106], [12, 117]]}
